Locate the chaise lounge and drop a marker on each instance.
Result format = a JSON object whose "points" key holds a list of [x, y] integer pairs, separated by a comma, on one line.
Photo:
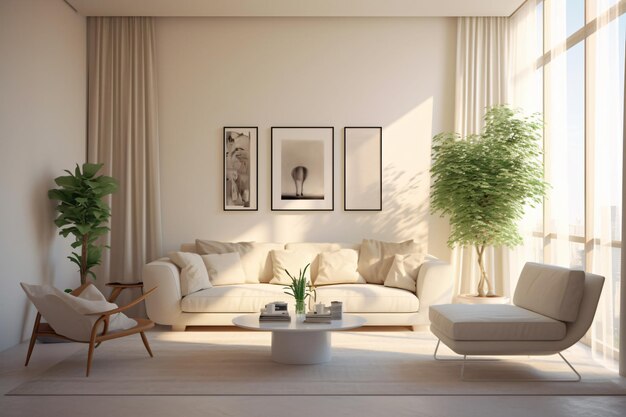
{"points": [[553, 309]]}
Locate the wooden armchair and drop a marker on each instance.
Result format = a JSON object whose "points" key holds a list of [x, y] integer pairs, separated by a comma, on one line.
{"points": [[99, 330]]}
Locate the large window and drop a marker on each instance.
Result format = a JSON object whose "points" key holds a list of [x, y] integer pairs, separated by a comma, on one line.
{"points": [[580, 66]]}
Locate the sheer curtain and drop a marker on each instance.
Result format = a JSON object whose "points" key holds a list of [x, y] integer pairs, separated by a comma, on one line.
{"points": [[525, 92], [481, 68], [123, 134], [578, 59], [605, 87]]}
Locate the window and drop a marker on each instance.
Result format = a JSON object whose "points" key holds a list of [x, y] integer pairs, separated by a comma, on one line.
{"points": [[580, 66]]}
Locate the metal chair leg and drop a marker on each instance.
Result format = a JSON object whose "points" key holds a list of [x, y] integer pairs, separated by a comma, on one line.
{"points": [[458, 359], [577, 379], [464, 360]]}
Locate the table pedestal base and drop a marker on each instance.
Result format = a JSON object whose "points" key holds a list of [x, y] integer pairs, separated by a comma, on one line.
{"points": [[301, 348]]}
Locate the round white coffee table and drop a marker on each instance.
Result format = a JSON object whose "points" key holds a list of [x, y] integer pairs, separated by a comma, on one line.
{"points": [[299, 343]]}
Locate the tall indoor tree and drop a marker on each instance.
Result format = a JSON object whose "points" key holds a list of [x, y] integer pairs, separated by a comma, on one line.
{"points": [[484, 182], [83, 214]]}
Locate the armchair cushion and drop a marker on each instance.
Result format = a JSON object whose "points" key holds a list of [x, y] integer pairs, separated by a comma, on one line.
{"points": [[69, 315], [492, 322], [550, 290]]}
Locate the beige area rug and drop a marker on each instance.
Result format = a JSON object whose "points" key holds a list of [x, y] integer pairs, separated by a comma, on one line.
{"points": [[363, 363]]}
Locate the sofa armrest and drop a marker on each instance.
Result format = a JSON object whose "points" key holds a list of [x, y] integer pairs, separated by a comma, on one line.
{"points": [[163, 307], [434, 284]]}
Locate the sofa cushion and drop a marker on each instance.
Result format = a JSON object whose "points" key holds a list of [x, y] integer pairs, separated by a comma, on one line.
{"points": [[193, 273], [338, 267], [250, 298], [290, 262], [224, 268], [550, 290], [376, 257], [368, 298], [494, 322], [240, 298], [255, 258]]}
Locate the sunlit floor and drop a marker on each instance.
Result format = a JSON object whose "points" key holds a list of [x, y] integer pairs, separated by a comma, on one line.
{"points": [[13, 373]]}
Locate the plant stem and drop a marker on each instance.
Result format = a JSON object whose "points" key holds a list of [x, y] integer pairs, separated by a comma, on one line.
{"points": [[83, 260], [484, 279], [480, 250]]}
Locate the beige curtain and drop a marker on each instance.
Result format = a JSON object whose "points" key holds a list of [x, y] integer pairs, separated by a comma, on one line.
{"points": [[123, 134], [622, 314], [482, 61]]}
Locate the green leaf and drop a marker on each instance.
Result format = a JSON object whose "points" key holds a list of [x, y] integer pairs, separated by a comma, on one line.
{"points": [[83, 229], [66, 181], [89, 170]]}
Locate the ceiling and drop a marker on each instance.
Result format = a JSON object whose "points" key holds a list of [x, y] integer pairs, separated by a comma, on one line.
{"points": [[305, 8]]}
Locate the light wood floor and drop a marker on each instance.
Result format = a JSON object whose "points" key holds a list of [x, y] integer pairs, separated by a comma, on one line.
{"points": [[13, 373]]}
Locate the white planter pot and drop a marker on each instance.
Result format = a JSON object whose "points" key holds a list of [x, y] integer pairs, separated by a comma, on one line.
{"points": [[474, 299]]}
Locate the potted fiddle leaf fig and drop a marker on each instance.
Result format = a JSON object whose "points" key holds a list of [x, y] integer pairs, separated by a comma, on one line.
{"points": [[483, 183], [83, 214]]}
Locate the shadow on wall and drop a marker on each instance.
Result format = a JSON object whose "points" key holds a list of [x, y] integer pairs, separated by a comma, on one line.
{"points": [[45, 251], [402, 216]]}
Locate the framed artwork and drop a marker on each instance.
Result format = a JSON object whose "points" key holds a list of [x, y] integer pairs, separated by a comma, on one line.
{"points": [[303, 168], [363, 168], [241, 173]]}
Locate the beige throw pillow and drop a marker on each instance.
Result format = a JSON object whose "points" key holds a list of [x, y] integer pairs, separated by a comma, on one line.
{"points": [[403, 272], [193, 273], [376, 257], [338, 267], [251, 261], [292, 261], [316, 249], [224, 268]]}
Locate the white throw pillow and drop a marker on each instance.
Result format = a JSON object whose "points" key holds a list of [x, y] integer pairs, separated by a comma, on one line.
{"points": [[224, 268], [292, 261], [193, 273], [338, 267], [403, 272], [253, 257], [91, 300]]}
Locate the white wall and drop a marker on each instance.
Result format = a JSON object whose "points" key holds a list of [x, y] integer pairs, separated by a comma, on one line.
{"points": [[213, 72], [42, 131]]}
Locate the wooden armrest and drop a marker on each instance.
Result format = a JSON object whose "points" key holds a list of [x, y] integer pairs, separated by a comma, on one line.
{"points": [[126, 307], [80, 289]]}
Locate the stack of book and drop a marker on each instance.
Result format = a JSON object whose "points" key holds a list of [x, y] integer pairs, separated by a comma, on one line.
{"points": [[317, 318], [277, 316]]}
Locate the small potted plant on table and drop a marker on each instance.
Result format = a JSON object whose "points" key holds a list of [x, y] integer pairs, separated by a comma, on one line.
{"points": [[300, 289]]}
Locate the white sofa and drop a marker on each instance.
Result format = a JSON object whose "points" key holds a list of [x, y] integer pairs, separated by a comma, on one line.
{"points": [[217, 306]]}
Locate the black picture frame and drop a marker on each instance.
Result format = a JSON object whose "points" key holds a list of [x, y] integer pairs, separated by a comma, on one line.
{"points": [[240, 197], [370, 194], [311, 151]]}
